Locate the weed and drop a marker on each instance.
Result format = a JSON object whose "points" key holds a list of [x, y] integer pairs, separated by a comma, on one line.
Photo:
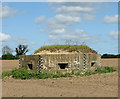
{"points": [[22, 73], [6, 73], [97, 71]]}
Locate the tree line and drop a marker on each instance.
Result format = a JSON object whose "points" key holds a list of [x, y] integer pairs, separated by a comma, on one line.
{"points": [[110, 56], [7, 52]]}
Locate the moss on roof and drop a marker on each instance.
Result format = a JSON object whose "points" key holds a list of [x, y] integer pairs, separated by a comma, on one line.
{"points": [[67, 48]]}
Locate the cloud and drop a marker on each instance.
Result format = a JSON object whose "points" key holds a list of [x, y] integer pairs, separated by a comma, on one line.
{"points": [[68, 15], [4, 37], [65, 35], [21, 40], [114, 35], [111, 19], [89, 17], [62, 21], [76, 9], [71, 13], [58, 31], [7, 12], [39, 19]]}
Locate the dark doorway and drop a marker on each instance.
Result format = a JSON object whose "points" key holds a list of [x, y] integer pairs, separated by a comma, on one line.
{"points": [[63, 65], [92, 64], [30, 66]]}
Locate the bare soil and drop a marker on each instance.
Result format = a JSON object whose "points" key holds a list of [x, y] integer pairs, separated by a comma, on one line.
{"points": [[111, 62], [98, 85], [9, 64]]}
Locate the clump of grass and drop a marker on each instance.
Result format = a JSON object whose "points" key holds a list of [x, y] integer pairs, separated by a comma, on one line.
{"points": [[109, 69], [6, 73], [22, 73], [68, 48], [97, 71]]}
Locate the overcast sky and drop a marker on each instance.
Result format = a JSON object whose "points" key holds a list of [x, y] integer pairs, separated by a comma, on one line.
{"points": [[41, 23]]}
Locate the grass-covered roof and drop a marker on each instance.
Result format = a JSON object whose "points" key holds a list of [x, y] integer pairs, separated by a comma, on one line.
{"points": [[67, 48]]}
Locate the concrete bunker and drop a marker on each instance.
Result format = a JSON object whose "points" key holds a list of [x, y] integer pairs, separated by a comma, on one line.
{"points": [[63, 57], [69, 62]]}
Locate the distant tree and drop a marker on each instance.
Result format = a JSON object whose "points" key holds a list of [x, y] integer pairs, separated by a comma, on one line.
{"points": [[6, 50], [8, 56], [110, 56], [21, 50]]}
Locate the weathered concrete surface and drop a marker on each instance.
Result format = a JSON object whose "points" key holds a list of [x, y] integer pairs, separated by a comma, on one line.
{"points": [[68, 62], [11, 64]]}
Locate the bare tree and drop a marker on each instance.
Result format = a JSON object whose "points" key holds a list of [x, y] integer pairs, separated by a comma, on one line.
{"points": [[6, 50], [21, 50]]}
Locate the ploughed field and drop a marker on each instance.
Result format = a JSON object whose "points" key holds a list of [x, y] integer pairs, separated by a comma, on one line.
{"points": [[98, 85]]}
